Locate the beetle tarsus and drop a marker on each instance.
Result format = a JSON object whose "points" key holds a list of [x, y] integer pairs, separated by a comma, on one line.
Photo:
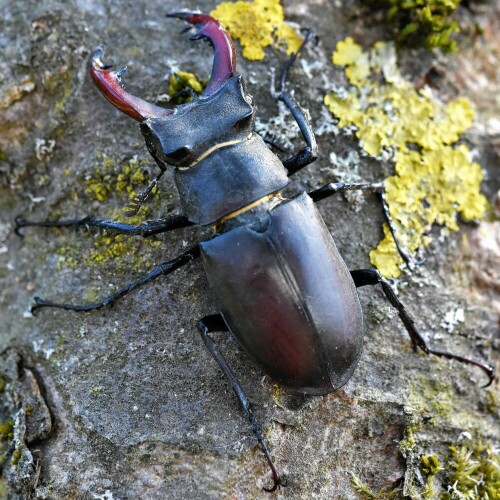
{"points": [[19, 222], [286, 68], [405, 255], [145, 229], [139, 200]]}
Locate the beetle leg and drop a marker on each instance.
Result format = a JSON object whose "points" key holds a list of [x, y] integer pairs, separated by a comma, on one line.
{"points": [[138, 201], [216, 323], [224, 66], [335, 187], [162, 269], [363, 277], [309, 153], [147, 228]]}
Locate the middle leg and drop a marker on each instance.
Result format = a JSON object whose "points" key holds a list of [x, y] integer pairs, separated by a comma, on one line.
{"points": [[162, 269], [147, 228], [377, 187]]}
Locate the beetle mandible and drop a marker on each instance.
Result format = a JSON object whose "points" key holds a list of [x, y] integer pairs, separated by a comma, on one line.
{"points": [[283, 289]]}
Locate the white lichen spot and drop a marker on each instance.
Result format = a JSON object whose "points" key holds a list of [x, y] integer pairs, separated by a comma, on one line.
{"points": [[452, 319], [107, 495], [43, 148], [37, 347]]}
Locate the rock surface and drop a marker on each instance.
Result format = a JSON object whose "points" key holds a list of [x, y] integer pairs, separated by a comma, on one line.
{"points": [[126, 402]]}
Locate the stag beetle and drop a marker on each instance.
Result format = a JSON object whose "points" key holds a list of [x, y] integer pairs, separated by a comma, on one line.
{"points": [[283, 289]]}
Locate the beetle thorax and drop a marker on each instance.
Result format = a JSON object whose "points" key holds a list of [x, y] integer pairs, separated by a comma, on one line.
{"points": [[201, 126]]}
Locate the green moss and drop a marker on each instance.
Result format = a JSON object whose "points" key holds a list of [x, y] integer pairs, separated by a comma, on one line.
{"points": [[413, 423], [428, 23], [435, 180], [4, 489], [3, 383], [430, 466], [472, 471], [16, 456], [432, 397], [67, 88], [492, 403], [59, 83], [6, 430], [367, 493]]}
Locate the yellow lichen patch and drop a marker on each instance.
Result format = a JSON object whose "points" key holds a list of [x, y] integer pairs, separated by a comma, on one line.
{"points": [[105, 180], [124, 250], [435, 180], [111, 180], [257, 25], [179, 85]]}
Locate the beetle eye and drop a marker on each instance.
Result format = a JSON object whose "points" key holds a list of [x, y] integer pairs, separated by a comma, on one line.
{"points": [[179, 154], [244, 123]]}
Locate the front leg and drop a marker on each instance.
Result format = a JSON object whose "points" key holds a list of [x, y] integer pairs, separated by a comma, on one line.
{"points": [[147, 228], [309, 153]]}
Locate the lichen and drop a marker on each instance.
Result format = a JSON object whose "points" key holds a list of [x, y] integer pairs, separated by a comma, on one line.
{"points": [[431, 397], [182, 85], [257, 25], [471, 469], [16, 92], [435, 179], [6, 430], [106, 181]]}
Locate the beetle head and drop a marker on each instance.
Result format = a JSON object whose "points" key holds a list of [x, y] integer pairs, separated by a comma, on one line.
{"points": [[179, 136], [200, 126]]}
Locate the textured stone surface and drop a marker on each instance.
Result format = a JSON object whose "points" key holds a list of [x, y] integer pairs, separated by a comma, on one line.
{"points": [[138, 408]]}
